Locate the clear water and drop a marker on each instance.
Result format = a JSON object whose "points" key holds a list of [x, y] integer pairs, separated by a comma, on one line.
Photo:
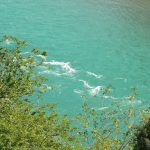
{"points": [[110, 38]]}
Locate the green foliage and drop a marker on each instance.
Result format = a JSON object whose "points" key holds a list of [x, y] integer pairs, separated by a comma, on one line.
{"points": [[142, 135], [21, 128], [22, 124], [108, 129], [17, 77]]}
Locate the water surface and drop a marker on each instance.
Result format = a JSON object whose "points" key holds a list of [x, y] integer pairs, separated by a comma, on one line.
{"points": [[103, 41]]}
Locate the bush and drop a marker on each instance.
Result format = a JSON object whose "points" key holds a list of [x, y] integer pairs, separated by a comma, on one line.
{"points": [[142, 136]]}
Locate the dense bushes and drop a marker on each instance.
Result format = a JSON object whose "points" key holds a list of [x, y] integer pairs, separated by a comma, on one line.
{"points": [[142, 136], [20, 129], [22, 124]]}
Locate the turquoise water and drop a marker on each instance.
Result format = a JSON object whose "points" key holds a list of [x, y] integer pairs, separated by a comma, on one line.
{"points": [[91, 44]]}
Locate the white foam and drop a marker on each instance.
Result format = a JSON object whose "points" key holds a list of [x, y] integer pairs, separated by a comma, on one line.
{"points": [[48, 87], [41, 56], [77, 91], [109, 97], [95, 91], [64, 65], [45, 72], [94, 75], [50, 72], [102, 108], [42, 67], [135, 102], [8, 42], [86, 84], [24, 53]]}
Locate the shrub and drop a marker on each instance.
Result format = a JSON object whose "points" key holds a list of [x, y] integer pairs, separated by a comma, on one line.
{"points": [[142, 135]]}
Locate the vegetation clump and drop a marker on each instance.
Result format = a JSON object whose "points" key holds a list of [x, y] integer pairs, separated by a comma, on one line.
{"points": [[24, 125], [142, 136]]}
